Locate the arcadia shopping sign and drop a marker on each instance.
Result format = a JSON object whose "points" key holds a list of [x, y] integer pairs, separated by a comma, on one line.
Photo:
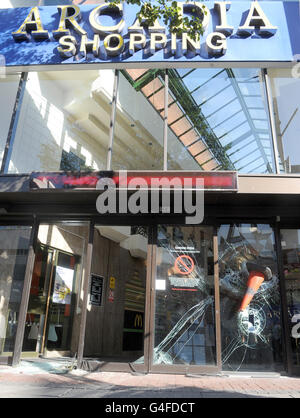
{"points": [[69, 34]]}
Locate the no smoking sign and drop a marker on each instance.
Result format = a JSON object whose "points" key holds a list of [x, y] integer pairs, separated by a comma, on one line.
{"points": [[184, 264]]}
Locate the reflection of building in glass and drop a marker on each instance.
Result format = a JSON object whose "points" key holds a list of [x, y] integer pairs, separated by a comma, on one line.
{"points": [[216, 116], [72, 135]]}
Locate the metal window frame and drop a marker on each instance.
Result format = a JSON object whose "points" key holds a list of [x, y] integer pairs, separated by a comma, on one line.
{"points": [[268, 92], [86, 293], [13, 123], [25, 294], [112, 120]]}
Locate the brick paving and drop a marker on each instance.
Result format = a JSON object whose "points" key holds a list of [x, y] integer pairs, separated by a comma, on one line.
{"points": [[15, 382]]}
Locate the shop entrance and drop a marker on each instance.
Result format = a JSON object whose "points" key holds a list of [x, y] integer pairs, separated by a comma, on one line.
{"points": [[51, 319], [163, 298]]}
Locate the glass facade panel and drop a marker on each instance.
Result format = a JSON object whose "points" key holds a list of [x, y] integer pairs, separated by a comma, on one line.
{"points": [[64, 122], [290, 244], [213, 115], [251, 335], [210, 121], [8, 91], [286, 91], [184, 306], [138, 133], [14, 243]]}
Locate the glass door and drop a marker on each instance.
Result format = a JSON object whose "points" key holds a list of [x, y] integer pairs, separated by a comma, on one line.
{"points": [[185, 322], [55, 301], [37, 305], [51, 304], [60, 303]]}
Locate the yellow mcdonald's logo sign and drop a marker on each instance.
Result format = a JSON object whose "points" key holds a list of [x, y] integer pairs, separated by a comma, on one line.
{"points": [[138, 321]]}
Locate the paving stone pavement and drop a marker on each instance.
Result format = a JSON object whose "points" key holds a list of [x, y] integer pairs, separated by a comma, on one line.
{"points": [[20, 383]]}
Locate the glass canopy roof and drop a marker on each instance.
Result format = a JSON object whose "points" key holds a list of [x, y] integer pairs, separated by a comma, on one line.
{"points": [[219, 115]]}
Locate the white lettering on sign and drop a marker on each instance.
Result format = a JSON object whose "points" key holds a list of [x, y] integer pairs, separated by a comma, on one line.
{"points": [[105, 30], [110, 39], [296, 328], [222, 7], [183, 282], [257, 19]]}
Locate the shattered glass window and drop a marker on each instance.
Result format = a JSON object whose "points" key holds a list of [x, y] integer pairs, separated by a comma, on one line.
{"points": [[249, 295], [184, 316]]}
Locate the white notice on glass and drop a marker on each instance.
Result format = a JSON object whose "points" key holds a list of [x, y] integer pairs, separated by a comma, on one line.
{"points": [[160, 285], [63, 285]]}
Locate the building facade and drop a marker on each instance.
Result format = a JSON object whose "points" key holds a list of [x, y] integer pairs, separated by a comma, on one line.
{"points": [[100, 98]]}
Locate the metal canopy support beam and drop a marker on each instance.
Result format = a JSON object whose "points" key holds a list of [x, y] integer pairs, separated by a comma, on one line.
{"points": [[249, 164], [112, 120], [207, 81], [272, 119], [233, 129], [221, 108], [227, 119], [241, 149], [255, 170], [237, 141], [166, 104]]}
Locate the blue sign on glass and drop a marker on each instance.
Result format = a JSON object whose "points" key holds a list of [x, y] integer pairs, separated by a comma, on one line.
{"points": [[262, 32]]}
